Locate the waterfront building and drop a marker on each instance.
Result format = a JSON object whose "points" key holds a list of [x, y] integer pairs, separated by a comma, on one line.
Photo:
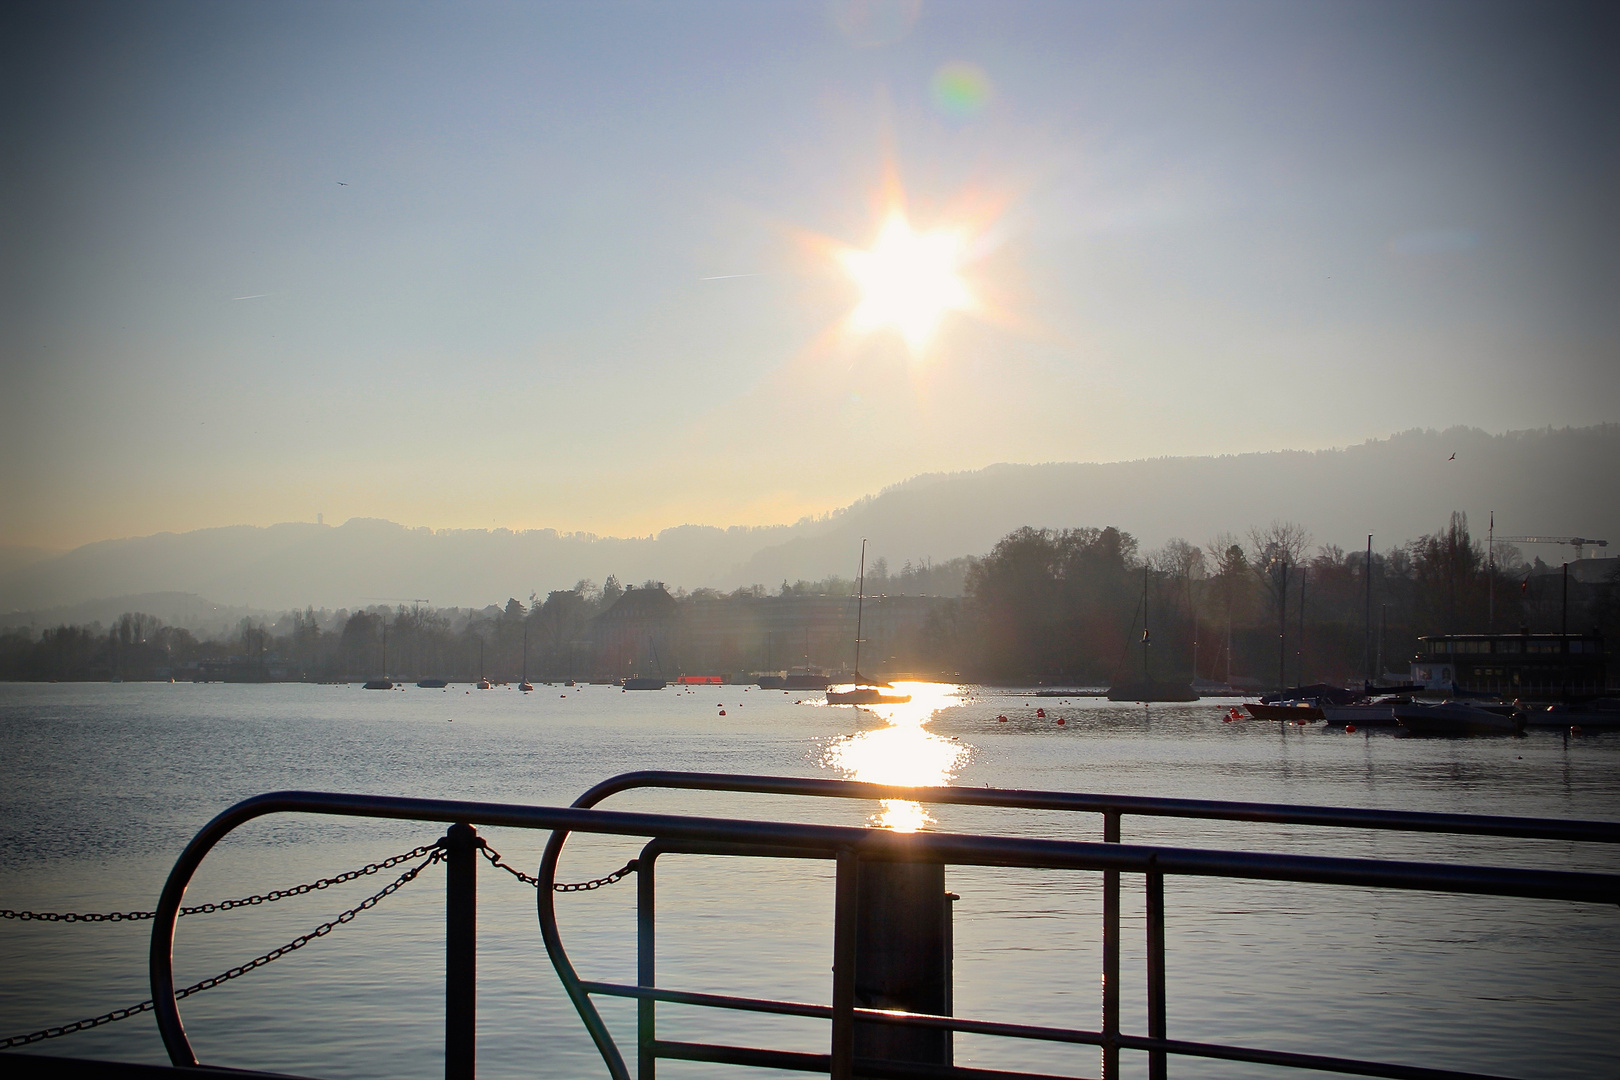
{"points": [[1535, 667]]}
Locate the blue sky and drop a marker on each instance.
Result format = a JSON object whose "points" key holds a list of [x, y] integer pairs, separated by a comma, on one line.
{"points": [[567, 265]]}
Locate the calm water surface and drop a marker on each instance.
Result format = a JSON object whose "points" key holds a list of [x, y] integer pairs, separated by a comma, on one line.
{"points": [[100, 786]]}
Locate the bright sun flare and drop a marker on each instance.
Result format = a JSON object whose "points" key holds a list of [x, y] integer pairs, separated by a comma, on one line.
{"points": [[909, 280]]}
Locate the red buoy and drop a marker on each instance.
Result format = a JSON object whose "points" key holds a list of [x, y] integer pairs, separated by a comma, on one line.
{"points": [[1001, 719], [722, 712], [1041, 713], [1061, 720], [1350, 728]]}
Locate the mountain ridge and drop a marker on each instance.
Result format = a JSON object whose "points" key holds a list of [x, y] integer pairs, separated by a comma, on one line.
{"points": [[1540, 481]]}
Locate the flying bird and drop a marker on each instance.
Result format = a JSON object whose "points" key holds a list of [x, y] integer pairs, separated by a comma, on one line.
{"points": [[341, 184], [1453, 456]]}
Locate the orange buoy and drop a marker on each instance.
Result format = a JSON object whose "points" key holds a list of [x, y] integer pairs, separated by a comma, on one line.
{"points": [[1350, 729]]}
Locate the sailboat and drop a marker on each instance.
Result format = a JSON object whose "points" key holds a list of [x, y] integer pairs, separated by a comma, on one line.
{"points": [[483, 683], [1149, 689], [384, 683], [524, 684], [864, 692], [648, 682]]}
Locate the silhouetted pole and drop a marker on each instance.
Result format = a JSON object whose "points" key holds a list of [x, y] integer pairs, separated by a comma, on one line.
{"points": [[1145, 639], [460, 955], [1366, 637], [860, 602], [1563, 619], [1282, 626], [1490, 571], [1299, 647]]}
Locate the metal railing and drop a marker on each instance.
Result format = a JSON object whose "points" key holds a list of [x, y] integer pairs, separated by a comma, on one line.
{"points": [[1112, 809], [849, 847]]}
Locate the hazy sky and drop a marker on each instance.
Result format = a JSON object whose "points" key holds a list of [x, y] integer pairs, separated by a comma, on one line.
{"points": [[578, 265]]}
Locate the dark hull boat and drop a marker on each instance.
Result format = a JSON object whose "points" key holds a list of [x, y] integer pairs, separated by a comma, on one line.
{"points": [[637, 682], [1149, 691], [377, 684], [1363, 714], [1301, 711], [433, 684], [1459, 718], [1602, 713], [865, 695]]}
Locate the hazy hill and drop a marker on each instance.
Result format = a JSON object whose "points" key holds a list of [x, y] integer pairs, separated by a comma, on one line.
{"points": [[1564, 482], [1538, 482], [174, 608]]}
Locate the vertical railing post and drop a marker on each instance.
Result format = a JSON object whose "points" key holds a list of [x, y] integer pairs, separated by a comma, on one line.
{"points": [[1110, 988], [646, 1017], [845, 895], [1155, 971], [460, 950]]}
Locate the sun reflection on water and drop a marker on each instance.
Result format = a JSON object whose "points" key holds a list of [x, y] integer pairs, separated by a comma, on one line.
{"points": [[902, 752]]}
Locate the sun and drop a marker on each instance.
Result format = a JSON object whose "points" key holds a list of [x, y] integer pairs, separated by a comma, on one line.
{"points": [[909, 280]]}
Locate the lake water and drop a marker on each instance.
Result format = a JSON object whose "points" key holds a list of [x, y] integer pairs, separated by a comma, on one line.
{"points": [[101, 785]]}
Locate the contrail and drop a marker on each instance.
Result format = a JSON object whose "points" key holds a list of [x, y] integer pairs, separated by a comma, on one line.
{"points": [[255, 296], [723, 277]]}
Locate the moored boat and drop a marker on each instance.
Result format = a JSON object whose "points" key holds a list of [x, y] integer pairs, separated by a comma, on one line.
{"points": [[1459, 718], [864, 692], [1600, 713], [1299, 711], [1380, 713], [432, 684], [865, 695]]}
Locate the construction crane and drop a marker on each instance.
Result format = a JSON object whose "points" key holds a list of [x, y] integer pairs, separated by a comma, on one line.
{"points": [[1577, 542]]}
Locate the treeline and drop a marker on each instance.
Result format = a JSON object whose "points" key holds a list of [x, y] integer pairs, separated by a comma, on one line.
{"points": [[1267, 608], [549, 637], [1056, 606]]}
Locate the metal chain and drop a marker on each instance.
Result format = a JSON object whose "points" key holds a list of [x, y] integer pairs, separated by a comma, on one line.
{"points": [[434, 853], [622, 872], [222, 905]]}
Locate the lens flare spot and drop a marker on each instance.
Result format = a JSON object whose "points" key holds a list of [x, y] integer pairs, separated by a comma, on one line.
{"points": [[960, 90]]}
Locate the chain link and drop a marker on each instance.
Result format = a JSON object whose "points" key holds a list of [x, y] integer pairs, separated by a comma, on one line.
{"points": [[222, 905], [622, 872], [434, 854]]}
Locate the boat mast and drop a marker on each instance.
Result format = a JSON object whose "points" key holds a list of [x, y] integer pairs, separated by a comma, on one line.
{"points": [[860, 600], [1366, 636], [525, 651], [1490, 573], [1145, 639]]}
